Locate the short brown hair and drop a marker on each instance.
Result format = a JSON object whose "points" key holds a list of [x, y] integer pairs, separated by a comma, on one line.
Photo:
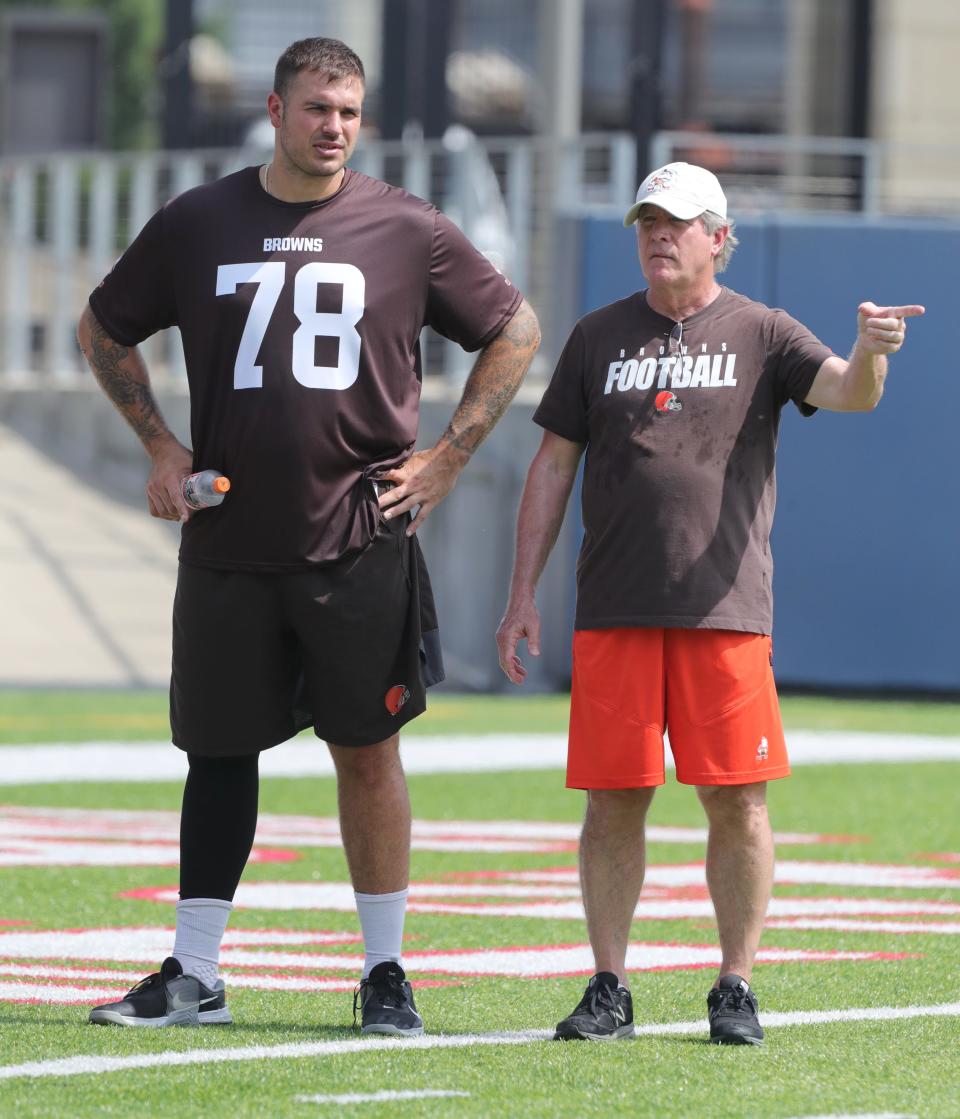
{"points": [[327, 56]]}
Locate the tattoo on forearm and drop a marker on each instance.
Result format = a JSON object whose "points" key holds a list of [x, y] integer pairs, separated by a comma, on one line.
{"points": [[127, 387], [494, 381]]}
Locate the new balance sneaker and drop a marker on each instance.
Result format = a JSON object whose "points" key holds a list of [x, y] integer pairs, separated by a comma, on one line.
{"points": [[385, 1002], [167, 998], [605, 1012], [732, 1010]]}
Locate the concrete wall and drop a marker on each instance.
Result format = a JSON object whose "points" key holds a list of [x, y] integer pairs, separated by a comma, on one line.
{"points": [[915, 89], [867, 536], [468, 541]]}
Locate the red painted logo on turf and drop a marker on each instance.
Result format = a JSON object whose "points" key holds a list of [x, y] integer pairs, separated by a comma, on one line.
{"points": [[396, 697]]}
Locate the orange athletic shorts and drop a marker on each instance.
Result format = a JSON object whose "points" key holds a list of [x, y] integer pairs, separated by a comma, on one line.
{"points": [[711, 690]]}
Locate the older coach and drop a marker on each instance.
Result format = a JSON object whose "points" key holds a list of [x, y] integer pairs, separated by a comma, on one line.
{"points": [[676, 393]]}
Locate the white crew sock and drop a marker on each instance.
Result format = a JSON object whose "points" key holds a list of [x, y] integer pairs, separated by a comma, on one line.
{"points": [[201, 923], [381, 922]]}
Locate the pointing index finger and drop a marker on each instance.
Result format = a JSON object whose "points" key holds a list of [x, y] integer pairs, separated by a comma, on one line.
{"points": [[909, 311]]}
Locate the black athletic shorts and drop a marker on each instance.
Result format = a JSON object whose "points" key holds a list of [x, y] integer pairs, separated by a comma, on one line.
{"points": [[347, 648]]}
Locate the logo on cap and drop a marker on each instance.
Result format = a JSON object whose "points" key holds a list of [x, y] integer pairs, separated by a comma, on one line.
{"points": [[683, 190], [661, 180]]}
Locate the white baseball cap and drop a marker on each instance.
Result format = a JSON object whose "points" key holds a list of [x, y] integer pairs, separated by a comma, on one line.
{"points": [[682, 189]]}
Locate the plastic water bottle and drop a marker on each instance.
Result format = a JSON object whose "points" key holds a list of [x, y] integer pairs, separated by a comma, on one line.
{"points": [[206, 488]]}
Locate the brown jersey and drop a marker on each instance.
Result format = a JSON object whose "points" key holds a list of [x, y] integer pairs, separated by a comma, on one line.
{"points": [[300, 325], [679, 485]]}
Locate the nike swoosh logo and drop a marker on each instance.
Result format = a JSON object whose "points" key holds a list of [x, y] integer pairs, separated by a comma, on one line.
{"points": [[178, 1002]]}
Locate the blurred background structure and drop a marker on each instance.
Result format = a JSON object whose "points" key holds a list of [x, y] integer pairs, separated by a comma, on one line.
{"points": [[529, 122]]}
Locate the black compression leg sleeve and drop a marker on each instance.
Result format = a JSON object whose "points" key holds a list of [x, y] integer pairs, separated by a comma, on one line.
{"points": [[217, 824]]}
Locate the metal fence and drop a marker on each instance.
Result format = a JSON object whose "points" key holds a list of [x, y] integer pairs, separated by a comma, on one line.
{"points": [[822, 173], [65, 218]]}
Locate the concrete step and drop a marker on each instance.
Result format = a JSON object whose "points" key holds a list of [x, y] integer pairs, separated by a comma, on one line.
{"points": [[87, 581]]}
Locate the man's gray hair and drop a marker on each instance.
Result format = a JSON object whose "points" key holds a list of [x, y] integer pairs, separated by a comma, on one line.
{"points": [[711, 223]]}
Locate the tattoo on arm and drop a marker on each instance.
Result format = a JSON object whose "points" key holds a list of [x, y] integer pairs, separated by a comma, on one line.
{"points": [[494, 381], [123, 377]]}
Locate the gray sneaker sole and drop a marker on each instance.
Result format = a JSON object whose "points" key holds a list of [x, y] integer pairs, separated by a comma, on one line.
{"points": [[391, 1030], [219, 1017], [736, 1039], [618, 1034], [115, 1018], [188, 1018]]}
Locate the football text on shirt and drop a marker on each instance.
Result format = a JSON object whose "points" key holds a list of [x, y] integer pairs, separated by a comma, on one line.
{"points": [[293, 244], [672, 371]]}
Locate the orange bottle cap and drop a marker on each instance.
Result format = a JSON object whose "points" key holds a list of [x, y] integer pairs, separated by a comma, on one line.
{"points": [[221, 484]]}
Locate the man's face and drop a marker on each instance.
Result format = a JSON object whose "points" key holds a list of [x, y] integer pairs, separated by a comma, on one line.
{"points": [[317, 122], [675, 253]]}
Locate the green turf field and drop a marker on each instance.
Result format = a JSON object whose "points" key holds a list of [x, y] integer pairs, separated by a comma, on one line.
{"points": [[68, 716], [883, 884]]}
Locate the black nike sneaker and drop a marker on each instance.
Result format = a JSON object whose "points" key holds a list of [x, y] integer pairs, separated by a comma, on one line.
{"points": [[605, 1012], [385, 1002], [732, 1010], [167, 998]]}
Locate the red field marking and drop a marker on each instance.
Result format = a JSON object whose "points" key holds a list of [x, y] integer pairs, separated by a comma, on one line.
{"points": [[841, 924], [262, 959], [69, 851], [675, 891], [43, 994], [43, 977], [32, 836], [37, 984]]}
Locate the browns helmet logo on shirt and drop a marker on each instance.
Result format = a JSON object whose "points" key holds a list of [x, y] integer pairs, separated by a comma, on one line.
{"points": [[396, 697], [667, 402]]}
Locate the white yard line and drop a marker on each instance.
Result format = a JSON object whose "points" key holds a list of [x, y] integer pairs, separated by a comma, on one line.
{"points": [[384, 1097], [899, 928], [159, 761], [819, 1017], [87, 1063], [863, 1115]]}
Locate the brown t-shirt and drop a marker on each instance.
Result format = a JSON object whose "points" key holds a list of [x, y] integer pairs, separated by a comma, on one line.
{"points": [[679, 485], [300, 325]]}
